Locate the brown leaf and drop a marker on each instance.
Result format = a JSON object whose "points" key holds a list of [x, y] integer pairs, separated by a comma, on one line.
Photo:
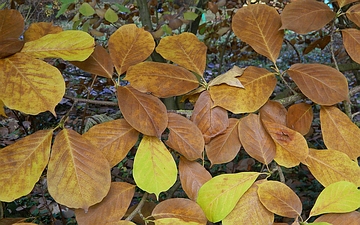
{"points": [[351, 40], [353, 14], [224, 147], [144, 112], [300, 117], [319, 43], [344, 2], [11, 24], [161, 79], [258, 25], [255, 140], [211, 120], [304, 16], [229, 78], [38, 30], [10, 46], [185, 137], [273, 112], [340, 218], [321, 84]]}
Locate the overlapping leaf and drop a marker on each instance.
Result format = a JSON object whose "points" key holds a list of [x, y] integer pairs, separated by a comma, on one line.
{"points": [[161, 79], [10, 46], [258, 25], [22, 164], [353, 13], [273, 112], [73, 167], [229, 78], [259, 83], [340, 218], [322, 84], [351, 40], [300, 117], [38, 30]]}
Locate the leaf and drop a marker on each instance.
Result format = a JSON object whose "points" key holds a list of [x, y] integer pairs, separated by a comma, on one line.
{"points": [[11, 24], [185, 137], [300, 117], [144, 112], [258, 86], [190, 15], [10, 46], [339, 197], [111, 16], [38, 30], [224, 147], [22, 164], [279, 199], [86, 9], [154, 167], [340, 218], [185, 50], [344, 2], [211, 120], [243, 214], [255, 140], [229, 78], [73, 167], [98, 63], [122, 8], [258, 25], [111, 209], [330, 166], [305, 16], [72, 45], [2, 110], [273, 112], [130, 45], [339, 132], [219, 196], [160, 79], [192, 177], [114, 139], [351, 40], [314, 81], [64, 6], [353, 14], [174, 221], [180, 208], [30, 85]]}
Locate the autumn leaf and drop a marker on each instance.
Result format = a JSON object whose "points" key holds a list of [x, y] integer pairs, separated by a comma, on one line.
{"points": [[38, 30], [229, 78], [340, 218], [344, 2], [12, 24], [2, 110], [273, 112], [351, 40], [353, 14], [10, 46], [174, 221], [300, 117]]}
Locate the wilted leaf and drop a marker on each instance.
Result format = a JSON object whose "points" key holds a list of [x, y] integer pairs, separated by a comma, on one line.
{"points": [[340, 218], [38, 30], [255, 140], [219, 196], [144, 112], [30, 85], [111, 16], [279, 199], [224, 147], [130, 45], [114, 139], [330, 166], [353, 14], [22, 164], [78, 174], [351, 40], [86, 9], [154, 167], [304, 16], [344, 2], [258, 25], [161, 79], [10, 46], [339, 197], [229, 78], [300, 117], [185, 50], [174, 221], [339, 132], [259, 84], [11, 24], [319, 43], [273, 112], [111, 209], [185, 137], [321, 84]]}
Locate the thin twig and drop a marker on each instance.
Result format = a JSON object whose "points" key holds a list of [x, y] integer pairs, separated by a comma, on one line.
{"points": [[222, 53], [138, 207], [91, 101], [281, 174]]}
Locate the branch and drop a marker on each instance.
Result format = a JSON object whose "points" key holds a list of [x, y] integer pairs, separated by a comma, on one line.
{"points": [[90, 101], [138, 207]]}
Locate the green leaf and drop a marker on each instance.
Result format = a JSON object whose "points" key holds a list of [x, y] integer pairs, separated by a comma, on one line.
{"points": [[122, 8], [218, 196], [190, 15], [111, 16], [154, 167], [86, 9], [64, 5]]}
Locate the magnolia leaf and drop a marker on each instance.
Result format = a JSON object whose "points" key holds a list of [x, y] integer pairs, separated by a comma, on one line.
{"points": [[161, 79], [111, 16], [340, 218], [330, 166], [255, 140], [12, 24], [30, 85], [10, 46], [300, 117], [344, 2], [259, 85], [22, 164], [185, 50], [130, 45], [144, 112], [38, 30], [111, 209], [185, 137], [351, 40], [72, 45], [258, 25], [219, 196], [279, 199], [2, 110], [339, 132], [273, 112], [305, 16], [86, 9], [73, 167], [224, 147], [314, 82], [114, 139], [339, 197], [229, 78], [353, 14], [174, 221]]}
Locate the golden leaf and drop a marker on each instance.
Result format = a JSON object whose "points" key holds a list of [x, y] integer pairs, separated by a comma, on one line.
{"points": [[300, 117], [38, 30], [353, 14], [229, 78], [351, 40], [2, 110]]}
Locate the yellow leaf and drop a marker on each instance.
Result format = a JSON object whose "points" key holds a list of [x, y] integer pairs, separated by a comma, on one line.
{"points": [[259, 84], [229, 78], [2, 110], [185, 50], [78, 174], [174, 221], [340, 218], [30, 85], [154, 167], [339, 197], [330, 166], [351, 40], [300, 117], [38, 30], [353, 14], [72, 45], [22, 164]]}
